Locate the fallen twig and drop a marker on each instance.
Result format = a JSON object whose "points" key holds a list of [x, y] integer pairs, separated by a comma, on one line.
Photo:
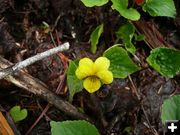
{"points": [[33, 85], [20, 65]]}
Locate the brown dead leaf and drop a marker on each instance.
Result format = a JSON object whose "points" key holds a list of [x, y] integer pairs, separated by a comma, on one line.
{"points": [[5, 129]]}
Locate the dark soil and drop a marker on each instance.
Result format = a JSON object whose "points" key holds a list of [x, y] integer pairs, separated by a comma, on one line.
{"points": [[114, 107]]}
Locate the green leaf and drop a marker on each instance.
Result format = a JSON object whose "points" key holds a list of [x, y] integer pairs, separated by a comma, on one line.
{"points": [[94, 38], [121, 64], [160, 8], [18, 114], [170, 109], [122, 7], [165, 61], [92, 3], [74, 84], [76, 127], [126, 33]]}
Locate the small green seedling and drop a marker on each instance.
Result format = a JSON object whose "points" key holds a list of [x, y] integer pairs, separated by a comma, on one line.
{"points": [[18, 114]]}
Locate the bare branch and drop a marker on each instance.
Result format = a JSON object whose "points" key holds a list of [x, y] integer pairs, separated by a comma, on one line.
{"points": [[35, 86], [18, 66]]}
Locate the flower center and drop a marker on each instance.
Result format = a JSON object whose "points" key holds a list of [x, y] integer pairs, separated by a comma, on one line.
{"points": [[93, 78]]}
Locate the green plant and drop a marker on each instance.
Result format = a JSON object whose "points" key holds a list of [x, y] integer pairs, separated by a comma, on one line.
{"points": [[118, 62], [18, 114], [76, 127], [127, 31]]}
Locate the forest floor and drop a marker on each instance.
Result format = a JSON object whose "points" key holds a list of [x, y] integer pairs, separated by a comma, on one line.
{"points": [[115, 108]]}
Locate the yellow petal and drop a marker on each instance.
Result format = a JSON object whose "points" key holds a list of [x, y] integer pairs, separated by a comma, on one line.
{"points": [[86, 61], [92, 84], [83, 71], [105, 76], [102, 63]]}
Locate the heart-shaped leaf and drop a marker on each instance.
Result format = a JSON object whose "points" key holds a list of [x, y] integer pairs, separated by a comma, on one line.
{"points": [[18, 114], [77, 127], [92, 3], [122, 7], [170, 109], [121, 64], [165, 61]]}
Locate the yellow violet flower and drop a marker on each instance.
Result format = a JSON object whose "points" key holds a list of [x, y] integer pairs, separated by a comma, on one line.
{"points": [[94, 74]]}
